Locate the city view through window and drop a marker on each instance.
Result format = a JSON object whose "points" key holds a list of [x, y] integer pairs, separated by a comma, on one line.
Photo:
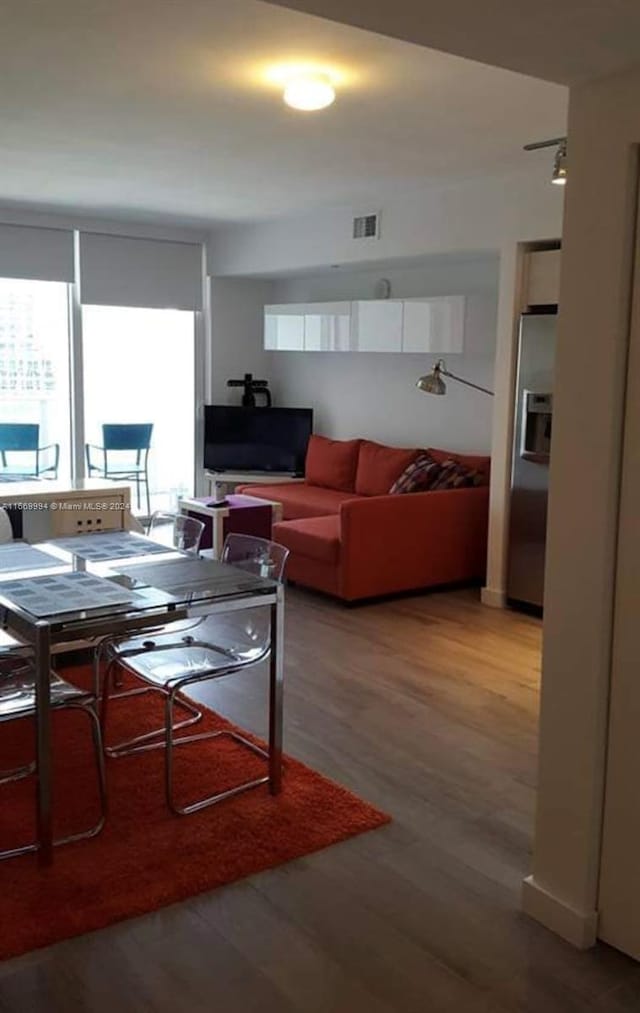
{"points": [[138, 368]]}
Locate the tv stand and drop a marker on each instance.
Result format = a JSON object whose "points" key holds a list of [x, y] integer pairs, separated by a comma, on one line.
{"points": [[221, 483]]}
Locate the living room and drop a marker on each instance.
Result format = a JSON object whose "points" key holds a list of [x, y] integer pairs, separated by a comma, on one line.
{"points": [[383, 869]]}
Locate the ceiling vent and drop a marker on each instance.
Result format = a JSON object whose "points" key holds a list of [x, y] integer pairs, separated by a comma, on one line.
{"points": [[366, 227]]}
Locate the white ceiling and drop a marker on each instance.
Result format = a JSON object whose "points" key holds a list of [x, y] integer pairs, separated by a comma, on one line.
{"points": [[569, 41], [159, 109]]}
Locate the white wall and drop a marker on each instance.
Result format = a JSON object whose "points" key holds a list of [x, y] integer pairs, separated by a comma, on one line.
{"points": [[237, 311], [604, 128], [374, 395], [478, 215], [473, 216]]}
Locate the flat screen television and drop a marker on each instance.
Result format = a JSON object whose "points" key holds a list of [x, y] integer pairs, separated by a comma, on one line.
{"points": [[256, 439]]}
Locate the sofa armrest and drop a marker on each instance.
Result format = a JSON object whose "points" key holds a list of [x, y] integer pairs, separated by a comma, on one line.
{"points": [[394, 543]]}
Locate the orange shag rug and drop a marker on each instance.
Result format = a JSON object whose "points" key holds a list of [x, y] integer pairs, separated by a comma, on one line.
{"points": [[146, 858]]}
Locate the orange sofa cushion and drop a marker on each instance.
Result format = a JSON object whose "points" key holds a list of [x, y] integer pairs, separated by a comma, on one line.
{"points": [[332, 464], [315, 538], [379, 467], [475, 462], [300, 499]]}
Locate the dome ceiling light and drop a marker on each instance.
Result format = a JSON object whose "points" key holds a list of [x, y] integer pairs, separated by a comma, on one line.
{"points": [[309, 91]]}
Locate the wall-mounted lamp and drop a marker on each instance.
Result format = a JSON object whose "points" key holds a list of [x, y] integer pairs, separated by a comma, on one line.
{"points": [[559, 174], [432, 383]]}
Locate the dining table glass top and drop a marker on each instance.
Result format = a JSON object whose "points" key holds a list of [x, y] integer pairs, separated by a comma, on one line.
{"points": [[70, 581]]}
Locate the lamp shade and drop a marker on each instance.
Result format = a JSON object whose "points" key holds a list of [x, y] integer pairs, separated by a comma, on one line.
{"points": [[432, 383]]}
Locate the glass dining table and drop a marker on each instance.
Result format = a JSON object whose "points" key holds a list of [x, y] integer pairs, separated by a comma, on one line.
{"points": [[72, 590]]}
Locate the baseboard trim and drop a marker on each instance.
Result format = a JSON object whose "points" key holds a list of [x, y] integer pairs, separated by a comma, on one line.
{"points": [[494, 599], [577, 927]]}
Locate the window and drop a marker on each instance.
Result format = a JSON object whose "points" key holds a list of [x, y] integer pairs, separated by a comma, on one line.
{"points": [[139, 367], [34, 369]]}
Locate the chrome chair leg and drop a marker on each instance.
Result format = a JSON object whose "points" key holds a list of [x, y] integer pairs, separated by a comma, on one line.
{"points": [[170, 743], [90, 711], [17, 773], [146, 740]]}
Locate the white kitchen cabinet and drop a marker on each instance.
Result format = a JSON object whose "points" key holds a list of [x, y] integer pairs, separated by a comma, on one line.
{"points": [[310, 327], [284, 328], [434, 325], [327, 327], [376, 325], [419, 325]]}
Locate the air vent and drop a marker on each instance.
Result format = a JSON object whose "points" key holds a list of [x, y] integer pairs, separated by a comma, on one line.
{"points": [[366, 227]]}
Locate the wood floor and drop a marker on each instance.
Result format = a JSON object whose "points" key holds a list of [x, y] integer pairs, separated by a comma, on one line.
{"points": [[428, 708]]}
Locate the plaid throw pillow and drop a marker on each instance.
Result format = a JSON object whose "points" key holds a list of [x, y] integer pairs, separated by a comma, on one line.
{"points": [[454, 475], [418, 476]]}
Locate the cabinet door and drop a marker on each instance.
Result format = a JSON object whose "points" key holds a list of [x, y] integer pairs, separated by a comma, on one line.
{"points": [[283, 328], [327, 327], [434, 325], [376, 325]]}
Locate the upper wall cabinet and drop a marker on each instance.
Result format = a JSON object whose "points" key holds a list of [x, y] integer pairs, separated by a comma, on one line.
{"points": [[423, 325], [434, 325], [376, 325], [308, 327]]}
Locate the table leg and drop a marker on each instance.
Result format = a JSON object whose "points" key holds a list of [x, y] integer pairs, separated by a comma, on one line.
{"points": [[43, 744], [276, 687], [220, 514]]}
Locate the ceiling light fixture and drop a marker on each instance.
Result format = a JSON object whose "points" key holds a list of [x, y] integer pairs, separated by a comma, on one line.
{"points": [[559, 174], [560, 165], [308, 91]]}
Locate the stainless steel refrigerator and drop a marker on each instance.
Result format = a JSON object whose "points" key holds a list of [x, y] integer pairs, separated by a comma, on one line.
{"points": [[531, 453]]}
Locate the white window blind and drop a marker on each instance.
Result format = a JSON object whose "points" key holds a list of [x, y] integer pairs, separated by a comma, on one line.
{"points": [[123, 271], [36, 254]]}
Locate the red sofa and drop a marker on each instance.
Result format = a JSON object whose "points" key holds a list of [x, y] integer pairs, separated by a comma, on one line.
{"points": [[349, 537]]}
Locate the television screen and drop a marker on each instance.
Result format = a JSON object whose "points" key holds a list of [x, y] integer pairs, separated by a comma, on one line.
{"points": [[256, 439]]}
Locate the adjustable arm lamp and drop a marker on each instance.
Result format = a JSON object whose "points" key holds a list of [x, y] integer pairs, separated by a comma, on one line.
{"points": [[432, 383]]}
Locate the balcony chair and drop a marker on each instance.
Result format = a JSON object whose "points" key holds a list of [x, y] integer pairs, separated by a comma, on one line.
{"points": [[199, 651], [24, 438], [132, 438]]}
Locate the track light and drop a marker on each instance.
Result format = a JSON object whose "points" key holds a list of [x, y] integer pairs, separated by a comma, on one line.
{"points": [[559, 174], [560, 165]]}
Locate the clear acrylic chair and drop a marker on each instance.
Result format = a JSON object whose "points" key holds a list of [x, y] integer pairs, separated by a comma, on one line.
{"points": [[176, 531], [18, 701], [207, 649]]}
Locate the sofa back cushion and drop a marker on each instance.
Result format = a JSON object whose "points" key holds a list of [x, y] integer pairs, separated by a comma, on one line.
{"points": [[332, 464], [474, 462], [418, 477], [455, 475], [379, 467]]}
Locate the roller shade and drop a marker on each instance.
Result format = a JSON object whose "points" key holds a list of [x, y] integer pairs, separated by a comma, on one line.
{"points": [[35, 253], [122, 271]]}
